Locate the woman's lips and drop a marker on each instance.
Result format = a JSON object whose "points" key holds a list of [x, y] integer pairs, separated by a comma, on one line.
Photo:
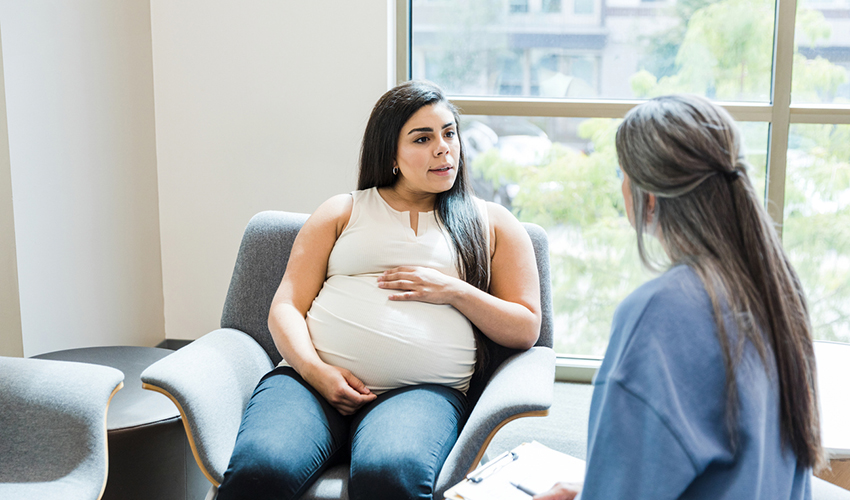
{"points": [[443, 170]]}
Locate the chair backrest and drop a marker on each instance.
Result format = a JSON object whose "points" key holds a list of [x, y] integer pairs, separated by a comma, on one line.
{"points": [[262, 260], [541, 252], [259, 268]]}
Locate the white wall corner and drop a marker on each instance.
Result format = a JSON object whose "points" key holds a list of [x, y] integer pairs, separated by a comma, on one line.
{"points": [[259, 106], [11, 339], [82, 162], [392, 43]]}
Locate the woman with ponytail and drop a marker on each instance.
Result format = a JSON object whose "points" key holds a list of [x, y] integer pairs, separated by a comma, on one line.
{"points": [[388, 294], [707, 390]]}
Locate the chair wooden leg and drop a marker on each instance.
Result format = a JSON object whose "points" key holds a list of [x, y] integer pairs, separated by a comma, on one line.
{"points": [[839, 475], [481, 452]]}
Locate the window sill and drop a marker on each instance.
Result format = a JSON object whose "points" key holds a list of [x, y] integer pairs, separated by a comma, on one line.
{"points": [[576, 368]]}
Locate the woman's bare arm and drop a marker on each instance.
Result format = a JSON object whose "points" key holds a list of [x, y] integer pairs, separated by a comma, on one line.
{"points": [[305, 273]]}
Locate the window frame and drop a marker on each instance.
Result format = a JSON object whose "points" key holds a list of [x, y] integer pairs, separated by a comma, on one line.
{"points": [[779, 113]]}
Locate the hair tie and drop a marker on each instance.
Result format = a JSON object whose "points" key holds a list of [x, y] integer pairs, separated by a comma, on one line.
{"points": [[731, 175]]}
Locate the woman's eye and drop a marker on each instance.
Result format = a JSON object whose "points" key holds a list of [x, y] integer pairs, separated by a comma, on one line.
{"points": [[451, 133], [421, 140]]}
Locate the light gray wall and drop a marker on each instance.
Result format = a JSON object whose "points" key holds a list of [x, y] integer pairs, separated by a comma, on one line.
{"points": [[79, 98], [11, 342], [260, 105], [144, 134]]}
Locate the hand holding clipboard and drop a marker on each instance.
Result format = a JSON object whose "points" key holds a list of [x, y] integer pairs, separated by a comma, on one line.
{"points": [[528, 469]]}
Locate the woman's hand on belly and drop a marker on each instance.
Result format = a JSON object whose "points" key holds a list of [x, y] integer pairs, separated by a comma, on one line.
{"points": [[340, 387], [422, 284]]}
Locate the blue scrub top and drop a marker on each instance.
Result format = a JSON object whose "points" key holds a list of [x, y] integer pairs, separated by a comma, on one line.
{"points": [[657, 419]]}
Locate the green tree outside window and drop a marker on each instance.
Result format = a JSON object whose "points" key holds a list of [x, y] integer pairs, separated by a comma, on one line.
{"points": [[721, 49]]}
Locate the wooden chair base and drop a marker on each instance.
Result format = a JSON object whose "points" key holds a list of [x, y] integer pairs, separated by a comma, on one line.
{"points": [[839, 475]]}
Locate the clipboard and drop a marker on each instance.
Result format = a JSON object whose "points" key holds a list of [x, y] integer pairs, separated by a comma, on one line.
{"points": [[518, 474]]}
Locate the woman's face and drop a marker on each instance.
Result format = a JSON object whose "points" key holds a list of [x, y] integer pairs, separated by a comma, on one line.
{"points": [[428, 151]]}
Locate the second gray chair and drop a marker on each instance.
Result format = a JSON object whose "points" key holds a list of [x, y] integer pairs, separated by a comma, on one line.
{"points": [[212, 379], [53, 428]]}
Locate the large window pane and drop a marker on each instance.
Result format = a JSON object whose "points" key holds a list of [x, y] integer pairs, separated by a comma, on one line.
{"points": [[576, 48], [822, 52], [561, 173], [817, 223]]}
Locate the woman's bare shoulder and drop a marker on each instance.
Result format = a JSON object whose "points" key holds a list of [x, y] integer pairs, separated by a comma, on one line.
{"points": [[334, 212], [505, 229], [498, 211], [501, 218]]}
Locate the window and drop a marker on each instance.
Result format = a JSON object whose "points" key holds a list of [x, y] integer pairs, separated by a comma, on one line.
{"points": [[583, 6], [817, 222], [551, 6], [823, 54], [518, 6], [542, 97]]}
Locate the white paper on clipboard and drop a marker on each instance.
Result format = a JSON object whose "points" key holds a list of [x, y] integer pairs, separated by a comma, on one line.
{"points": [[532, 467]]}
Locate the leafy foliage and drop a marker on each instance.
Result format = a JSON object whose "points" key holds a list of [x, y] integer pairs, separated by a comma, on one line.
{"points": [[817, 223], [721, 49], [576, 197]]}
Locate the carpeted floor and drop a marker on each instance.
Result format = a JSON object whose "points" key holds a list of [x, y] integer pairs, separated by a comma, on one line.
{"points": [[564, 429]]}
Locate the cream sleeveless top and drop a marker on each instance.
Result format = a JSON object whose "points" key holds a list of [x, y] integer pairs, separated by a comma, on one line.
{"points": [[390, 344]]}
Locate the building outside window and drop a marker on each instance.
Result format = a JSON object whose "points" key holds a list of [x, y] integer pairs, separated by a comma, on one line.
{"points": [[518, 6], [541, 97], [583, 6], [551, 6]]}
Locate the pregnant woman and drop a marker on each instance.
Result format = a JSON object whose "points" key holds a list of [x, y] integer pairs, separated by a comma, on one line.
{"points": [[379, 316]]}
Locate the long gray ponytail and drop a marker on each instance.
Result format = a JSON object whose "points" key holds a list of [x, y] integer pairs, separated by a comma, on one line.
{"points": [[688, 153]]}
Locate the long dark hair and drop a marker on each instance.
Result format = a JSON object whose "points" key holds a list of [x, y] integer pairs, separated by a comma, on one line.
{"points": [[455, 208], [688, 153]]}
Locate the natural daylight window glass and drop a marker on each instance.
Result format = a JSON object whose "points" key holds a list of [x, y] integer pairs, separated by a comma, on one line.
{"points": [[822, 52], [817, 223], [630, 49], [561, 173], [538, 57]]}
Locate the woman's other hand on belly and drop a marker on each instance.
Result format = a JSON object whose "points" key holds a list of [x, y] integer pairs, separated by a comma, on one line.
{"points": [[340, 387], [422, 284]]}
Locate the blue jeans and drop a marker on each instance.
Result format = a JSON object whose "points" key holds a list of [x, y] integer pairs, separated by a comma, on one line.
{"points": [[290, 434]]}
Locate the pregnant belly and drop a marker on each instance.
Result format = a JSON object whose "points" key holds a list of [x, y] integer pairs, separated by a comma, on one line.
{"points": [[389, 344]]}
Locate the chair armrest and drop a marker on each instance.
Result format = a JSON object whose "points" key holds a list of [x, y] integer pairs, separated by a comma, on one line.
{"points": [[522, 386], [211, 381], [53, 427]]}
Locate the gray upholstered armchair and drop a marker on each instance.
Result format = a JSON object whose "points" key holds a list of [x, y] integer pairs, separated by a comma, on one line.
{"points": [[212, 379], [53, 428]]}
